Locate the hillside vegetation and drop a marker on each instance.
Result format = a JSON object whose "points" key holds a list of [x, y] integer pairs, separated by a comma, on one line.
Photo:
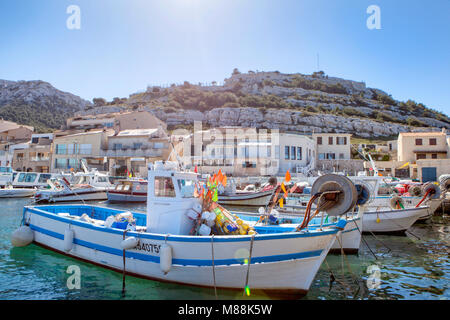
{"points": [[286, 101]]}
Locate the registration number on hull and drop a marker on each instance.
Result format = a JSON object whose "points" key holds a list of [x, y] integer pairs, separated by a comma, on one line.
{"points": [[148, 247]]}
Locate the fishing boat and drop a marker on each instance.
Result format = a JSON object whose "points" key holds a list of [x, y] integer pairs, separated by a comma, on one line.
{"points": [[11, 192], [62, 191], [128, 191], [349, 239], [394, 221], [173, 241], [246, 198]]}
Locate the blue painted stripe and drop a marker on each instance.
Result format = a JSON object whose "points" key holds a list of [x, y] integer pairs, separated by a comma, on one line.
{"points": [[184, 262], [259, 237]]}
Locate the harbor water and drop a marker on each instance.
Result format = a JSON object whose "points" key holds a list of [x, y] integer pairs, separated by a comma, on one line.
{"points": [[415, 266]]}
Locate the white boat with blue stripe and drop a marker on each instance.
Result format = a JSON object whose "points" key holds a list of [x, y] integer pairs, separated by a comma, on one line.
{"points": [[160, 245]]}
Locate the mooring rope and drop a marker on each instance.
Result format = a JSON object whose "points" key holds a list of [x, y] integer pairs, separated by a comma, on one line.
{"points": [[213, 266], [249, 263], [364, 240], [123, 272]]}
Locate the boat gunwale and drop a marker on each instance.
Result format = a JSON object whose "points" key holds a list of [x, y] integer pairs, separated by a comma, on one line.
{"points": [[175, 238]]}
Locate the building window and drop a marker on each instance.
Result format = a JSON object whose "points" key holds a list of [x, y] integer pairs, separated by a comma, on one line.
{"points": [[72, 149], [286, 153], [319, 140], [330, 140], [137, 145], [269, 151], [434, 156], [73, 163], [321, 156], [418, 142], [299, 153], [61, 163], [421, 156], [61, 149], [433, 141], [292, 153], [331, 156], [85, 148], [341, 140], [341, 156]]}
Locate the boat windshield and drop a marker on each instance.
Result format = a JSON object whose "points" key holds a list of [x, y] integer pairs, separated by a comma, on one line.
{"points": [[44, 177], [187, 188], [164, 187], [27, 177], [82, 180]]}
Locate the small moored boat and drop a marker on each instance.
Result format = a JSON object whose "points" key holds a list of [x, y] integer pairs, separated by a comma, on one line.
{"points": [[128, 191], [11, 192], [61, 191]]}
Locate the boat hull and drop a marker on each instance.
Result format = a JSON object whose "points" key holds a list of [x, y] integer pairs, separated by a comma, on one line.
{"points": [[279, 262], [70, 197], [126, 197], [349, 238], [257, 199], [16, 193], [392, 221]]}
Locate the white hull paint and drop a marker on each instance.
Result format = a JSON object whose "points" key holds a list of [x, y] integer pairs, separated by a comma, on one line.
{"points": [[120, 197], [71, 196], [256, 199], [350, 237], [392, 220], [16, 193], [281, 262]]}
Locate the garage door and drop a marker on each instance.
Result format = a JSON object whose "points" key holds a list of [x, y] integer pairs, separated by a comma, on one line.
{"points": [[429, 174]]}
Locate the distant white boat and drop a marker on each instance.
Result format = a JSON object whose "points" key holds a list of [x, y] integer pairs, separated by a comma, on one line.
{"points": [[10, 192], [242, 198], [126, 190], [392, 221], [61, 191]]}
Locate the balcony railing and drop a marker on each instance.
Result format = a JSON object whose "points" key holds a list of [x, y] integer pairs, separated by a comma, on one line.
{"points": [[40, 158], [131, 153]]}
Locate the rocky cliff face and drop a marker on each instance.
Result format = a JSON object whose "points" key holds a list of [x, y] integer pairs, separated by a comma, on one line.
{"points": [[37, 103], [291, 102]]}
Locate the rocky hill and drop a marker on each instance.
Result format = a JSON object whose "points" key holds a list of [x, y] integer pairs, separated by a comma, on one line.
{"points": [[37, 103], [291, 102]]}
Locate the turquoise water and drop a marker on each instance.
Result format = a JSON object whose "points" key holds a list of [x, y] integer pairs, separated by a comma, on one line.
{"points": [[411, 267]]}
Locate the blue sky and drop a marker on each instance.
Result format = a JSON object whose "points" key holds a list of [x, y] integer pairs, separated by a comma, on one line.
{"points": [[125, 45]]}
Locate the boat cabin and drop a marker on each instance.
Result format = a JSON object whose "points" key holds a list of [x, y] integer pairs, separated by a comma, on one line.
{"points": [[131, 186], [94, 179], [31, 179], [169, 198]]}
